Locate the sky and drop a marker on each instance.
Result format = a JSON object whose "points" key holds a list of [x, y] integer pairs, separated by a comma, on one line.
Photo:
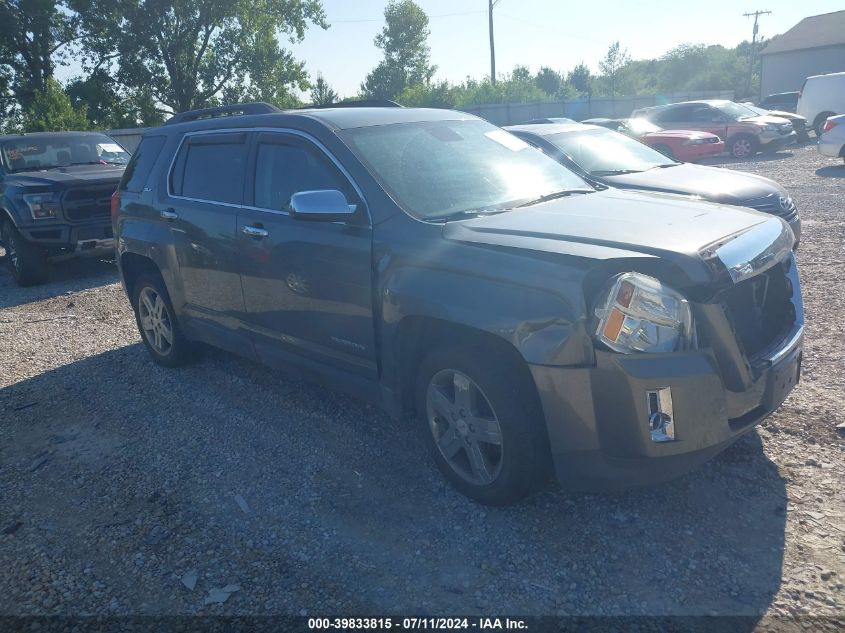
{"points": [[555, 33]]}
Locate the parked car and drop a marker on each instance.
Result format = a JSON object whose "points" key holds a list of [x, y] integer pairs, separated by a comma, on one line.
{"points": [[782, 101], [832, 141], [55, 190], [530, 322], [614, 160], [554, 119], [683, 145], [799, 123], [821, 97], [744, 133]]}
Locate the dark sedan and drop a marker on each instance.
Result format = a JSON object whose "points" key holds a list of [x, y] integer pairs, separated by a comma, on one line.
{"points": [[615, 160]]}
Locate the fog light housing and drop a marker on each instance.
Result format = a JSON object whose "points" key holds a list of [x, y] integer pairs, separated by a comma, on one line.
{"points": [[661, 417]]}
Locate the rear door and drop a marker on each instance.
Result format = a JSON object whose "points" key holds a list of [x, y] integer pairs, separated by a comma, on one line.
{"points": [[307, 284], [205, 190]]}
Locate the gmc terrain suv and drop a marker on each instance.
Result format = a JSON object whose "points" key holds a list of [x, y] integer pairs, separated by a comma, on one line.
{"points": [[55, 190], [434, 264], [744, 131]]}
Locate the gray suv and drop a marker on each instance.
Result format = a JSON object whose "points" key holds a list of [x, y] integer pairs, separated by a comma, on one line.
{"points": [[436, 265]]}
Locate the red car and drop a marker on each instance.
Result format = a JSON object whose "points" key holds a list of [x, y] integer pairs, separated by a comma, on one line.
{"points": [[687, 146]]}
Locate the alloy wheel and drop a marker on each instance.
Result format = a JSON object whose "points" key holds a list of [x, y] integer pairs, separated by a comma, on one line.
{"points": [[465, 427], [741, 148], [155, 321]]}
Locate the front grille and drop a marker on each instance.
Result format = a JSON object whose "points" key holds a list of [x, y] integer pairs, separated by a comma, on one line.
{"points": [[760, 309], [781, 206], [85, 203]]}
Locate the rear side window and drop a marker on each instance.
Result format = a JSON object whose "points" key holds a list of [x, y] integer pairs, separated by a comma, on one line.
{"points": [[211, 167], [141, 164]]}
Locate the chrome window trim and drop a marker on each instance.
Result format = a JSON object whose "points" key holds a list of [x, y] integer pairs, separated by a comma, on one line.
{"points": [[277, 130]]}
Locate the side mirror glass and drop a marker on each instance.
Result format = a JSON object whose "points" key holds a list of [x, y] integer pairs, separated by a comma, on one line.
{"points": [[325, 205]]}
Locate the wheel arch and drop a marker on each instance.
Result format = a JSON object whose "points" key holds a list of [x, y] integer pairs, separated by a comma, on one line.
{"points": [[133, 265]]}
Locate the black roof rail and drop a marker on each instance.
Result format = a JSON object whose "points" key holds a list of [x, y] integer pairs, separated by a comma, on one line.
{"points": [[228, 110], [361, 103]]}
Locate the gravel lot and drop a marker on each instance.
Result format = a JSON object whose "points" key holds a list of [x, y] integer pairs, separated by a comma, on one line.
{"points": [[120, 479]]}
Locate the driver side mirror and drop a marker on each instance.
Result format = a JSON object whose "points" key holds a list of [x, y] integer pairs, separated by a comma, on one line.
{"points": [[325, 205]]}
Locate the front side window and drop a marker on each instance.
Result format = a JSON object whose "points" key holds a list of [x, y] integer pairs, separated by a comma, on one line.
{"points": [[211, 167], [603, 152], [437, 168], [61, 150], [284, 168], [734, 111]]}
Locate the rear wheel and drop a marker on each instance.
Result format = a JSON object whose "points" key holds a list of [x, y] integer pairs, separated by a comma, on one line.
{"points": [[157, 322], [742, 146], [26, 262], [818, 124], [482, 424]]}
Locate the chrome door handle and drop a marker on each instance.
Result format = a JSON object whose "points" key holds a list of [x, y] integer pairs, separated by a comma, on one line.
{"points": [[255, 231], [168, 214]]}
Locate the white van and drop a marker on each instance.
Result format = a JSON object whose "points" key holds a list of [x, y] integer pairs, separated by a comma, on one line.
{"points": [[822, 96]]}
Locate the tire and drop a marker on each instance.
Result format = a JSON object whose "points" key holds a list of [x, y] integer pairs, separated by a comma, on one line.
{"points": [[818, 124], [665, 150], [156, 320], [511, 443], [26, 262], [742, 146]]}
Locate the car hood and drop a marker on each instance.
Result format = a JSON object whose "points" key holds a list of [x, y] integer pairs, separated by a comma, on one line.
{"points": [[679, 134], [789, 116], [611, 224], [67, 176], [709, 183], [764, 119]]}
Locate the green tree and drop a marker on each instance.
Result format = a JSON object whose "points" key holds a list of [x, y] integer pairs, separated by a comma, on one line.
{"points": [[193, 53], [579, 78], [109, 106], [549, 81], [50, 110], [406, 53], [34, 35], [614, 60], [322, 93]]}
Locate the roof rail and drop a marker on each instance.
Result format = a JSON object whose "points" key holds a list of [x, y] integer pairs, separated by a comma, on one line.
{"points": [[221, 111], [362, 103]]}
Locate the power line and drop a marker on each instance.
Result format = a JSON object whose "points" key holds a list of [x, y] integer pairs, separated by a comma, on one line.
{"points": [[756, 15], [751, 51]]}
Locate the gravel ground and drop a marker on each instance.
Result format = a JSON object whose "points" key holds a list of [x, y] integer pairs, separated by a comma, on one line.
{"points": [[122, 481]]}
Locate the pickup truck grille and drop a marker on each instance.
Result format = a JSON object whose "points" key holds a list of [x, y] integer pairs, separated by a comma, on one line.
{"points": [[760, 309], [776, 205], [87, 203]]}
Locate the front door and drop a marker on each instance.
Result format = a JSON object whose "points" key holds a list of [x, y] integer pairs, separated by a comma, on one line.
{"points": [[307, 285]]}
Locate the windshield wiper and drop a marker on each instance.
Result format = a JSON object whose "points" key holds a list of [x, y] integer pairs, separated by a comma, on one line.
{"points": [[552, 196], [615, 172], [463, 215], [665, 165]]}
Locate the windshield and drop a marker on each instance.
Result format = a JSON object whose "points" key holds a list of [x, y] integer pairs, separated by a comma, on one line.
{"points": [[602, 152], [437, 168], [49, 152], [735, 111], [755, 110], [642, 126]]}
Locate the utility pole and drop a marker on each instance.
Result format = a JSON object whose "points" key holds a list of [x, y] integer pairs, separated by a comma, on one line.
{"points": [[752, 52], [491, 4]]}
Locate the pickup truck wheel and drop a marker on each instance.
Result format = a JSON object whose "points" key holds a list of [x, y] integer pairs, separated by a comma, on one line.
{"points": [[27, 262], [157, 323], [743, 146], [482, 427]]}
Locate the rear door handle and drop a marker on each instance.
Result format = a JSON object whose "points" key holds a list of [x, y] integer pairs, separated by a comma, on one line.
{"points": [[168, 214], [255, 231]]}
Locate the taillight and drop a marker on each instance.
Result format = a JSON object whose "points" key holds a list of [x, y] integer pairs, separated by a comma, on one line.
{"points": [[115, 203], [828, 126]]}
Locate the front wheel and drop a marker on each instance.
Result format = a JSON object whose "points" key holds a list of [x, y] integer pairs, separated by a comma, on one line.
{"points": [[482, 424], [743, 146], [157, 323], [27, 262]]}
